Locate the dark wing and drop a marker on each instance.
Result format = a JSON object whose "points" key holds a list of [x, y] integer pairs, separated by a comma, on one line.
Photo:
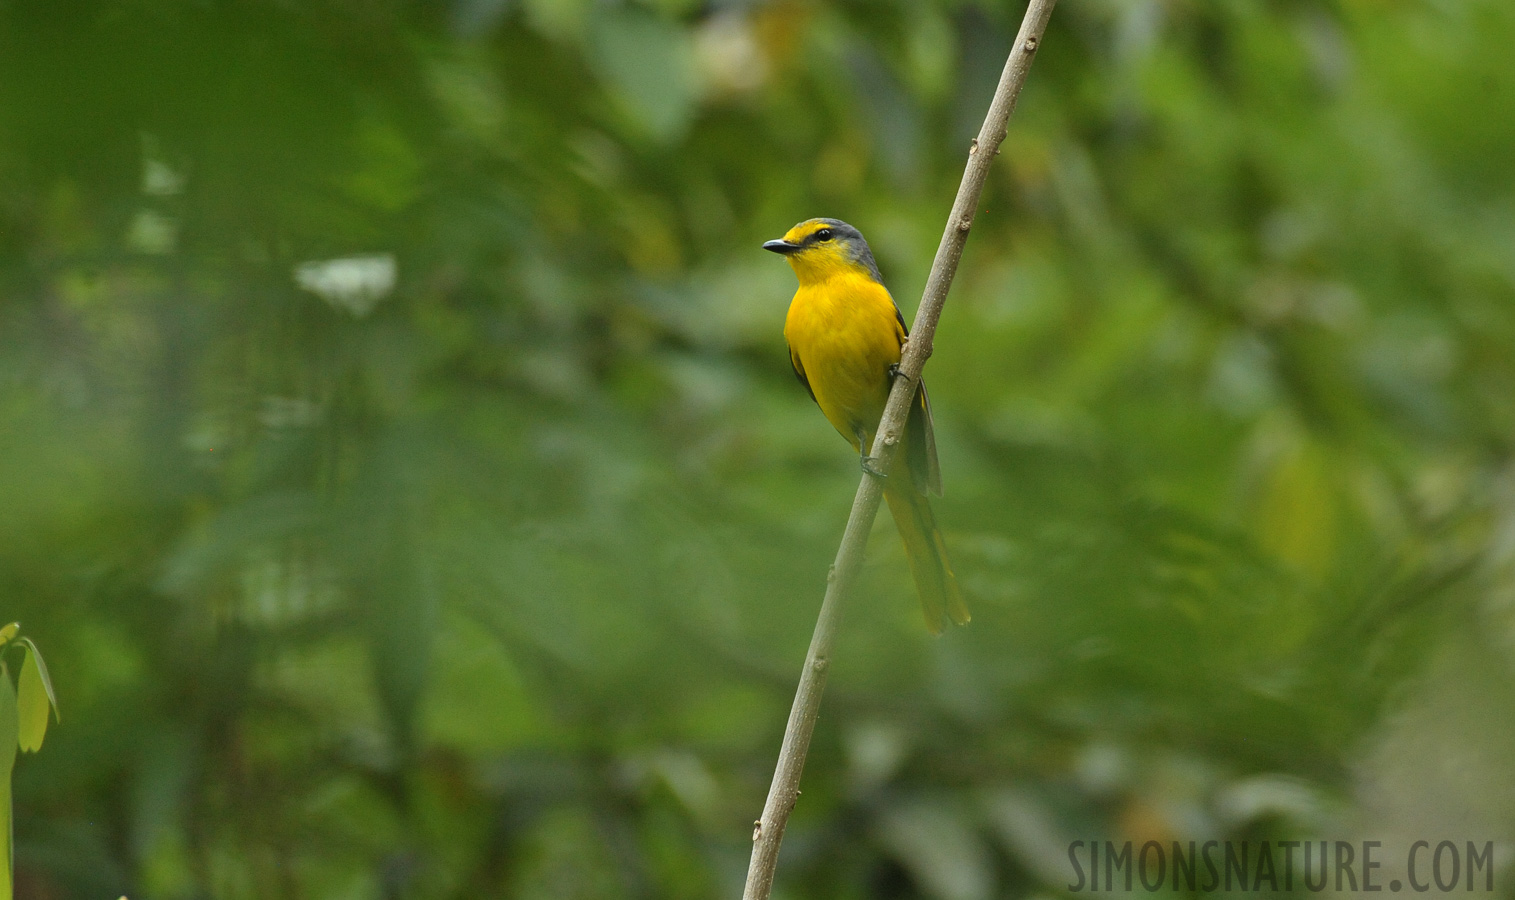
{"points": [[799, 372], [925, 470], [920, 451]]}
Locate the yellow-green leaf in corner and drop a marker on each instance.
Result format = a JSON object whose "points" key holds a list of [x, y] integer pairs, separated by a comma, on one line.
{"points": [[9, 632], [35, 655], [32, 703]]}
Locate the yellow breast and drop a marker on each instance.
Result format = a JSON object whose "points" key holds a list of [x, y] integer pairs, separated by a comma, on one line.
{"points": [[844, 334]]}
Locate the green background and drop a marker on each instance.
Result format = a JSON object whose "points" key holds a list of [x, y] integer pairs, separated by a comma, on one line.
{"points": [[495, 582]]}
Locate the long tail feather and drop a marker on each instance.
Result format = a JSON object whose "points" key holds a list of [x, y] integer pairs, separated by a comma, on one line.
{"points": [[941, 599]]}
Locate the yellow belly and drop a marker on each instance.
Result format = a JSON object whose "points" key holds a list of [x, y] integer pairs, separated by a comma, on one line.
{"points": [[845, 333]]}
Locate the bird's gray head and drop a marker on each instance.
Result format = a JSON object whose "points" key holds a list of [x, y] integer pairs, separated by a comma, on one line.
{"points": [[818, 248]]}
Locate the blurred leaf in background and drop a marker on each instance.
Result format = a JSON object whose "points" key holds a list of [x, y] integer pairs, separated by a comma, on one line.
{"points": [[400, 463]]}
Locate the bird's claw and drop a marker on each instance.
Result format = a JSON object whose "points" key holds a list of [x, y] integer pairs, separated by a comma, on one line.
{"points": [[894, 371], [871, 469]]}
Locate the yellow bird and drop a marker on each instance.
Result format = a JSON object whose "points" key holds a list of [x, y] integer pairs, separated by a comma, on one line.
{"points": [[845, 333]]}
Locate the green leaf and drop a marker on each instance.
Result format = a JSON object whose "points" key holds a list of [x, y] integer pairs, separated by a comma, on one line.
{"points": [[31, 703], [9, 632], [47, 681]]}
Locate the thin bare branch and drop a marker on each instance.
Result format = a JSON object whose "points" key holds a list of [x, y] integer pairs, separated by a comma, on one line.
{"points": [[768, 832]]}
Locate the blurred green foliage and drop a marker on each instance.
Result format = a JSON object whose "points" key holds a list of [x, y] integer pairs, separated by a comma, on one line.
{"points": [[400, 462]]}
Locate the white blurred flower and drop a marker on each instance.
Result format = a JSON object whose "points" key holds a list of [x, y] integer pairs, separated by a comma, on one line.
{"points": [[160, 180], [353, 283], [727, 54]]}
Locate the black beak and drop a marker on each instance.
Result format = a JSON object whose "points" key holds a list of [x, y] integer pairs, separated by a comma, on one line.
{"points": [[781, 247]]}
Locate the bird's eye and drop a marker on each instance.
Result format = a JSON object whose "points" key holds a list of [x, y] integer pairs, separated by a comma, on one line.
{"points": [[823, 235]]}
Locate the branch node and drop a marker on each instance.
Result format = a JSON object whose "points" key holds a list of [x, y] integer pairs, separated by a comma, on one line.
{"points": [[757, 831], [831, 574], [973, 147], [966, 222], [1031, 43], [820, 666]]}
